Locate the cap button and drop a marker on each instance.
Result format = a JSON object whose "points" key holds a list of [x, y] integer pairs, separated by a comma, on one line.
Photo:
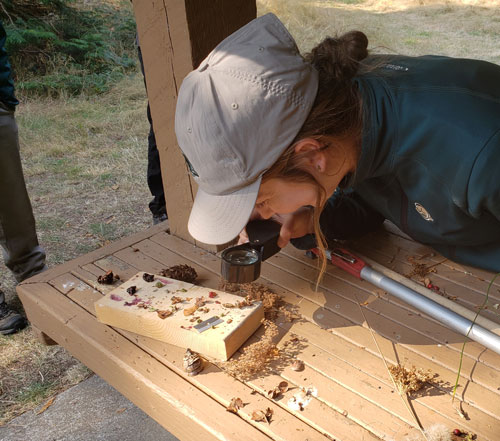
{"points": [[189, 130], [234, 106]]}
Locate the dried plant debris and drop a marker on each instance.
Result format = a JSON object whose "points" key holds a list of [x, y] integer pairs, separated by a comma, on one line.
{"points": [[185, 273], [273, 303], [148, 277], [297, 365], [410, 380], [301, 399], [255, 356], [132, 290], [278, 391], [190, 311], [462, 435], [108, 278], [192, 362], [164, 314], [261, 415], [235, 405]]}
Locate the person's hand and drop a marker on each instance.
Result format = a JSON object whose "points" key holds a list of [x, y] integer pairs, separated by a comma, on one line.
{"points": [[296, 224], [243, 235]]}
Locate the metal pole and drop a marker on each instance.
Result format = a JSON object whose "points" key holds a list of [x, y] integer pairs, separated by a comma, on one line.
{"points": [[443, 315]]}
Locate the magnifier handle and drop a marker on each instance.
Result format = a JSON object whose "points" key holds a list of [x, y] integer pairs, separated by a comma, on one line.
{"points": [[344, 259]]}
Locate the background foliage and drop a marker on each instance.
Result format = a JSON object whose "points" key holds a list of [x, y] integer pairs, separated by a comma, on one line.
{"points": [[63, 47]]}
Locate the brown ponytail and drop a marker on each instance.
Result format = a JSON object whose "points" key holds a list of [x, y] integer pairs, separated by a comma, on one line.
{"points": [[337, 109], [336, 112]]}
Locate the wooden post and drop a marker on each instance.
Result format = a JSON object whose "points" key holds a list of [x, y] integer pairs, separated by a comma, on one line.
{"points": [[175, 36]]}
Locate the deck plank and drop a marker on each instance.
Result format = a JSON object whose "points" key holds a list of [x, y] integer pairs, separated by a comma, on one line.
{"points": [[221, 387], [476, 395], [186, 411], [356, 398]]}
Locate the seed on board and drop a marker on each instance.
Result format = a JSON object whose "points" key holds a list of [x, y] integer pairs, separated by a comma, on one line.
{"points": [[164, 314], [189, 311], [260, 415], [297, 365], [234, 405], [192, 362], [184, 273], [132, 290]]}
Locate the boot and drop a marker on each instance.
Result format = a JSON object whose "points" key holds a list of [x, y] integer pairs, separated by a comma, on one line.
{"points": [[10, 321]]}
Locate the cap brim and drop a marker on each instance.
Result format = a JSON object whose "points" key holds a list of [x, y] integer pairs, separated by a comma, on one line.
{"points": [[218, 219]]}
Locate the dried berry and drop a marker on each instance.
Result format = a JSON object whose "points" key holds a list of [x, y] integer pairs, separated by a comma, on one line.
{"points": [[212, 294], [185, 273], [148, 277], [107, 279], [164, 314], [457, 432], [132, 290]]}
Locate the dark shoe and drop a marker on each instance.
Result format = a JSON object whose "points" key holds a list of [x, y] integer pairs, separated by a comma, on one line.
{"points": [[159, 218], [10, 321]]}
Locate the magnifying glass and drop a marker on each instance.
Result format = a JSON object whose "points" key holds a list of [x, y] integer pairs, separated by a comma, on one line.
{"points": [[241, 263]]}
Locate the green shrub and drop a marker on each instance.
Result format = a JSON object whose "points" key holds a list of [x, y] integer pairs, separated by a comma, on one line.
{"points": [[61, 47]]}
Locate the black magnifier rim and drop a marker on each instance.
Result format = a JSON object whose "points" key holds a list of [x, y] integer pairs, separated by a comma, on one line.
{"points": [[241, 248]]}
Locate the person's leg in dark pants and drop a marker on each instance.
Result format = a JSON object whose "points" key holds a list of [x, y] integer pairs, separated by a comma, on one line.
{"points": [[22, 253], [154, 177], [155, 182]]}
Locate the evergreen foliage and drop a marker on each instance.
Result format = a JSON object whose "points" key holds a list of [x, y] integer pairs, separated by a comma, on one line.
{"points": [[59, 46]]}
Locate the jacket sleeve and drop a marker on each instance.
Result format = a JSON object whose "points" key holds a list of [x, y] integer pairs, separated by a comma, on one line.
{"points": [[483, 192], [345, 216]]}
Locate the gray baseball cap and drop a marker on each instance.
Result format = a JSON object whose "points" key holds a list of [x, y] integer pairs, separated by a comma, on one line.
{"points": [[236, 114]]}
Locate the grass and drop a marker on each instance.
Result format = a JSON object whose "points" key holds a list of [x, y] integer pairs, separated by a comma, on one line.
{"points": [[84, 158], [84, 162]]}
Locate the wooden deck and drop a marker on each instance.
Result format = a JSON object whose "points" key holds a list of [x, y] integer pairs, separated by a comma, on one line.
{"points": [[356, 399]]}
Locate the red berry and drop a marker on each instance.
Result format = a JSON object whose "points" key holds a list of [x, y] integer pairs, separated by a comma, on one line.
{"points": [[212, 294], [457, 432]]}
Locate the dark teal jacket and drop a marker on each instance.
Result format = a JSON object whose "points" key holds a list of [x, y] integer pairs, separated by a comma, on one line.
{"points": [[430, 159], [6, 84]]}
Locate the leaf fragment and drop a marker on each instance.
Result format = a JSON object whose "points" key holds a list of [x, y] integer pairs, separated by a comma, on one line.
{"points": [[164, 314], [189, 311], [46, 405]]}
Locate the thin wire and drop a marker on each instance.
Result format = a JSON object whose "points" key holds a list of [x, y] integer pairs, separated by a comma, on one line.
{"points": [[468, 332], [403, 398]]}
